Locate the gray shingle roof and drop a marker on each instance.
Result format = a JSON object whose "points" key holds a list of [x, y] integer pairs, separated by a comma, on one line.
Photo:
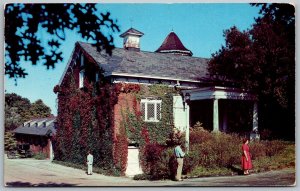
{"points": [[142, 63], [40, 129]]}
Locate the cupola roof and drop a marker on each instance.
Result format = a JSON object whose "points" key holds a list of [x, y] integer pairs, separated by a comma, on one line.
{"points": [[173, 45]]}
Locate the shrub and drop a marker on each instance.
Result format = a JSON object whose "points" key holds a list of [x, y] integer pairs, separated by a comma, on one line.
{"points": [[40, 156], [10, 142], [191, 160], [158, 161], [198, 134], [257, 149], [215, 154], [273, 147]]}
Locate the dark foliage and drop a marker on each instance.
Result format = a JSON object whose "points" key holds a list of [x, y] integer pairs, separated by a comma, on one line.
{"points": [[263, 61], [24, 21], [19, 109]]}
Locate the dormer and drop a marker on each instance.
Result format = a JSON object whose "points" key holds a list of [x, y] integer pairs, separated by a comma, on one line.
{"points": [[131, 39]]}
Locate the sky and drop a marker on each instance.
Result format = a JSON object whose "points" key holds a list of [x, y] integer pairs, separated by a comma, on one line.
{"points": [[199, 26]]}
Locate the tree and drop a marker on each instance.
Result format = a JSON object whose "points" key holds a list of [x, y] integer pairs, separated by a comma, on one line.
{"points": [[19, 109], [24, 21], [12, 118], [262, 59], [39, 109], [10, 141]]}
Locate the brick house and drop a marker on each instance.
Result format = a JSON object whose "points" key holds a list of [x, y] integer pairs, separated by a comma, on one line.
{"points": [[38, 134], [171, 65]]}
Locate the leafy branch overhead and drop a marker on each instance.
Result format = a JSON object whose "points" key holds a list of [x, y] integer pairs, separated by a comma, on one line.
{"points": [[25, 22]]}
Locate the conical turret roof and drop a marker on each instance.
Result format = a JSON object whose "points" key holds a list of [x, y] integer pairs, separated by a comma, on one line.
{"points": [[173, 45]]}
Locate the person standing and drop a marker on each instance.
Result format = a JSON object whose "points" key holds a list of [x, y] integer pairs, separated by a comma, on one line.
{"points": [[246, 157], [179, 156], [89, 162]]}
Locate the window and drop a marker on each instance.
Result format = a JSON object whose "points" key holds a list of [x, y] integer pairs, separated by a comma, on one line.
{"points": [[44, 124], [81, 78], [151, 110], [82, 60], [55, 125], [97, 77]]}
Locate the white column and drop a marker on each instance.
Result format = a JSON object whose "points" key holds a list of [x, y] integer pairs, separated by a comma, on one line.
{"points": [[187, 131], [255, 117], [216, 116], [51, 150]]}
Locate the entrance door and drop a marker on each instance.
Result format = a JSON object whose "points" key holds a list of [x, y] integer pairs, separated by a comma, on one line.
{"points": [[133, 164]]}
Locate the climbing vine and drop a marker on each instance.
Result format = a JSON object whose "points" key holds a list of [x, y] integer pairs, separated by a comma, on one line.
{"points": [[86, 122]]}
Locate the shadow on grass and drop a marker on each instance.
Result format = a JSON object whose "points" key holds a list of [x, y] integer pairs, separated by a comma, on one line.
{"points": [[236, 170], [28, 184]]}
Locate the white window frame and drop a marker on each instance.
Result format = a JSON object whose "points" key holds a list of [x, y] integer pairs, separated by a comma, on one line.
{"points": [[155, 102], [81, 78]]}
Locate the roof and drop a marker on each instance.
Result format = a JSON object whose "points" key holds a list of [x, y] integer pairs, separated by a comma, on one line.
{"points": [[132, 31], [172, 44], [29, 127], [149, 64]]}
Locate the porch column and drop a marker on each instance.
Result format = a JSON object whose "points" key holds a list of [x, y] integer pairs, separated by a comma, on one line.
{"points": [[255, 118], [187, 131], [216, 116]]}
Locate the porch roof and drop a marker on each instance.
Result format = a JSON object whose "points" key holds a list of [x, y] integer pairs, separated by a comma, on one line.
{"points": [[217, 92]]}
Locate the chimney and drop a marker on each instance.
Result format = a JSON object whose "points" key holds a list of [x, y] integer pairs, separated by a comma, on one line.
{"points": [[131, 39]]}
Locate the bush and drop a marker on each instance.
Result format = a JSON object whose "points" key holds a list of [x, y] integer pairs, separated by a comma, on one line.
{"points": [[274, 147], [198, 134], [219, 150], [40, 156], [257, 149], [158, 161], [216, 154], [191, 160]]}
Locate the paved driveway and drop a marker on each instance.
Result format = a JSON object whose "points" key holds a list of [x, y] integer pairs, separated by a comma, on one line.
{"points": [[30, 172]]}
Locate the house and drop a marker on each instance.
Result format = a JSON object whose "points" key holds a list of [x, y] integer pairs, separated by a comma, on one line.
{"points": [[194, 97], [38, 134]]}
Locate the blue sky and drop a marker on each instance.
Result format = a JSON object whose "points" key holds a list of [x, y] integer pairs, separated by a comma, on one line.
{"points": [[199, 26]]}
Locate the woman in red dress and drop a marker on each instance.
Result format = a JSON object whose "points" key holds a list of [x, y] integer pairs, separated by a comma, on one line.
{"points": [[246, 158]]}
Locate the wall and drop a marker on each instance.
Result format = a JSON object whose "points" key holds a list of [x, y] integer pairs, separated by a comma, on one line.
{"points": [[37, 143]]}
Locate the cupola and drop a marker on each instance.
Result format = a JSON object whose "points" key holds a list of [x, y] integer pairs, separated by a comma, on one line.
{"points": [[173, 45], [132, 39]]}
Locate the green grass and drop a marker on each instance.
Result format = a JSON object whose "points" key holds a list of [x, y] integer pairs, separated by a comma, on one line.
{"points": [[205, 172], [284, 159], [40, 156]]}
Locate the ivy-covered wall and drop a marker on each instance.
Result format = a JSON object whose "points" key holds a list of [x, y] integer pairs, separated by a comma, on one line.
{"points": [[158, 132], [103, 117], [86, 122]]}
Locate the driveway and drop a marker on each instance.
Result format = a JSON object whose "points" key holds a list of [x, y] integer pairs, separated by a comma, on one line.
{"points": [[30, 172]]}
